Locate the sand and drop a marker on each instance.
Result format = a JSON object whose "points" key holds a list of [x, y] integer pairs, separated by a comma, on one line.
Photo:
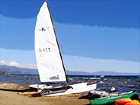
{"points": [[10, 95]]}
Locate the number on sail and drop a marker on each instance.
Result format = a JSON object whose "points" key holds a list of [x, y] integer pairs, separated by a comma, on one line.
{"points": [[44, 49]]}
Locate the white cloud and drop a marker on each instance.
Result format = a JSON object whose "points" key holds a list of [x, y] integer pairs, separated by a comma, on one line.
{"points": [[32, 66], [13, 63], [2, 62]]}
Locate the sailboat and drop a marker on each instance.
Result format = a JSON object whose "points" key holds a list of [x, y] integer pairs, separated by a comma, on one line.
{"points": [[49, 60]]}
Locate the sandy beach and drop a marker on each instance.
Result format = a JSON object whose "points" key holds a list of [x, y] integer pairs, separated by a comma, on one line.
{"points": [[10, 95]]}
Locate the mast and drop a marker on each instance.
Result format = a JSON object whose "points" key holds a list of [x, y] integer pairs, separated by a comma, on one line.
{"points": [[58, 45]]}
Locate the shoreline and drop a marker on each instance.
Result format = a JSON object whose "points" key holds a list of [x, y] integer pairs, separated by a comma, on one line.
{"points": [[10, 95]]}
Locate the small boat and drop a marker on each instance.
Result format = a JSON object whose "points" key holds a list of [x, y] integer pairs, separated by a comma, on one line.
{"points": [[49, 60], [109, 98], [102, 76]]}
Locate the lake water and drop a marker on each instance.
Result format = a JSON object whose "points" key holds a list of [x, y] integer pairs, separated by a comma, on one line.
{"points": [[121, 83]]}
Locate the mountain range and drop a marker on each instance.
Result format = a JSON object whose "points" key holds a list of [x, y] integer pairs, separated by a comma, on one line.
{"points": [[17, 70]]}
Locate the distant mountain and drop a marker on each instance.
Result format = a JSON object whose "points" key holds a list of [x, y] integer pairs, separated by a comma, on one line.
{"points": [[68, 72], [17, 70], [113, 73], [98, 73]]}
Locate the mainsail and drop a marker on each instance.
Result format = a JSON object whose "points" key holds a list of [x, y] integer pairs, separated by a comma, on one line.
{"points": [[48, 56]]}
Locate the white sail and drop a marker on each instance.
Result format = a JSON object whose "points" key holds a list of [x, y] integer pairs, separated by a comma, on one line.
{"points": [[49, 61]]}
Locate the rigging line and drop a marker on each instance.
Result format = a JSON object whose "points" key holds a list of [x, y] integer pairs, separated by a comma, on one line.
{"points": [[75, 63]]}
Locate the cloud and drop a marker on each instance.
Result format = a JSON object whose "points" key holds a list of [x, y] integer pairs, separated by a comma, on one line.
{"points": [[2, 62], [13, 63]]}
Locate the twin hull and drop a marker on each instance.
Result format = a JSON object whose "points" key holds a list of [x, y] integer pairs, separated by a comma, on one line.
{"points": [[76, 88]]}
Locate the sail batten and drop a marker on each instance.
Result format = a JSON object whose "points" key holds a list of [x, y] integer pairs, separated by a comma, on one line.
{"points": [[49, 61]]}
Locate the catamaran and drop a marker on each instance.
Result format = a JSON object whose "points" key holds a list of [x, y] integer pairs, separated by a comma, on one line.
{"points": [[49, 60]]}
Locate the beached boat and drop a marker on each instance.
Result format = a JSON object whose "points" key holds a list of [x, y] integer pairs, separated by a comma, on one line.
{"points": [[49, 60], [111, 98]]}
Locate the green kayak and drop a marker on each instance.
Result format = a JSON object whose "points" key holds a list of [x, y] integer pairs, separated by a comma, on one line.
{"points": [[112, 98]]}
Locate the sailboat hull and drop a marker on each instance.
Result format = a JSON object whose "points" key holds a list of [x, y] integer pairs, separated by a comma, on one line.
{"points": [[76, 88]]}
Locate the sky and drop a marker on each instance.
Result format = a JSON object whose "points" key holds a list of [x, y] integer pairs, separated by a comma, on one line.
{"points": [[94, 35]]}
